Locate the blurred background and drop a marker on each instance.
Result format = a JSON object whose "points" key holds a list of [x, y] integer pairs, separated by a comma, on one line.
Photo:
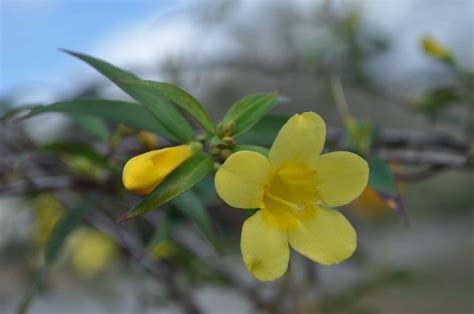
{"points": [[404, 67]]}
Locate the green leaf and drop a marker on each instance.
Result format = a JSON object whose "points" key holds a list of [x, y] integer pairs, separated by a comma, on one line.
{"points": [[123, 112], [380, 177], [359, 135], [433, 102], [265, 131], [10, 113], [164, 229], [217, 141], [192, 207], [28, 295], [382, 180], [179, 181], [77, 149], [249, 110], [173, 124], [60, 232], [92, 125], [177, 96], [254, 148], [206, 191]]}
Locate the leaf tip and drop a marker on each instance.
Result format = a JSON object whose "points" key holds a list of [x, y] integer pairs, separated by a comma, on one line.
{"points": [[67, 51], [124, 217]]}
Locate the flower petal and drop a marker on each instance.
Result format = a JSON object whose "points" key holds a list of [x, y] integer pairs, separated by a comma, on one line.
{"points": [[264, 249], [341, 177], [143, 173], [240, 180], [300, 140], [326, 238]]}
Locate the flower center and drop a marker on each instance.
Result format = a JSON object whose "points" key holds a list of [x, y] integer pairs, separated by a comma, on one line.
{"points": [[290, 196]]}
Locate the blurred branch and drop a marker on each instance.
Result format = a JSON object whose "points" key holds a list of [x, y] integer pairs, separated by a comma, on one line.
{"points": [[436, 151], [346, 299], [195, 244], [393, 138], [419, 175], [134, 246], [46, 184], [433, 158]]}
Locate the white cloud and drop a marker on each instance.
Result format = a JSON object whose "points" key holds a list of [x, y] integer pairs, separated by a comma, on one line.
{"points": [[176, 32]]}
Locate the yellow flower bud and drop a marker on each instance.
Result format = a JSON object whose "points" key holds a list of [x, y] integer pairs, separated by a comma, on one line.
{"points": [[435, 49], [143, 173]]}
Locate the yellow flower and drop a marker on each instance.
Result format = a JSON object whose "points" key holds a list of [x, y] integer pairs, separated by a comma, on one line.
{"points": [[143, 173], [295, 189], [48, 213], [91, 251]]}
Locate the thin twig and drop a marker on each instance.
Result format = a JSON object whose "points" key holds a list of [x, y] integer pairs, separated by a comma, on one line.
{"points": [[136, 249], [426, 158], [420, 175]]}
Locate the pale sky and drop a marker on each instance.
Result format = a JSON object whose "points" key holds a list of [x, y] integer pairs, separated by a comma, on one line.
{"points": [[141, 32]]}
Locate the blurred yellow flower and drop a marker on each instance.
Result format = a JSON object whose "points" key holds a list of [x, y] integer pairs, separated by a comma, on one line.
{"points": [[48, 212], [435, 49], [143, 173], [295, 189], [164, 249], [369, 205], [91, 251], [148, 139]]}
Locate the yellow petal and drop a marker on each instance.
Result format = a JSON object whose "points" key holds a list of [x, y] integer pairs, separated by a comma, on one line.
{"points": [[144, 172], [326, 238], [341, 177], [300, 140], [264, 249], [240, 180]]}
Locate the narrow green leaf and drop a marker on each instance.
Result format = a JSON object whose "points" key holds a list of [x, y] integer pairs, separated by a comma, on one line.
{"points": [[60, 233], [27, 297], [382, 180], [77, 149], [359, 135], [206, 191], [181, 180], [173, 124], [249, 110], [265, 131], [177, 96], [123, 112], [192, 207], [217, 141], [93, 126], [254, 148], [380, 176], [7, 113]]}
